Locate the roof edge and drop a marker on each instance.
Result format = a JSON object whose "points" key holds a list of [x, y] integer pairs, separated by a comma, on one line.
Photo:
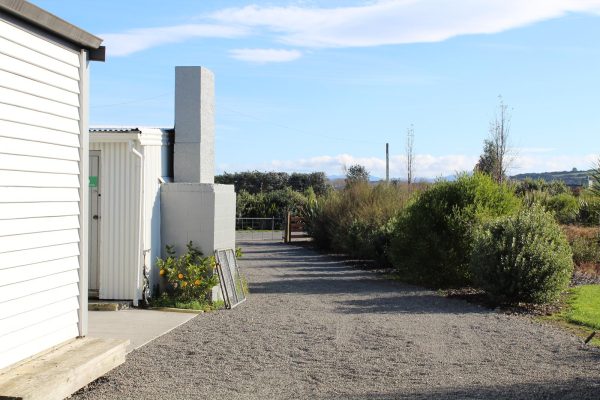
{"points": [[50, 23]]}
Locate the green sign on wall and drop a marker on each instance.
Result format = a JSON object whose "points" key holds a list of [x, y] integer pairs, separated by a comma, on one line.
{"points": [[93, 181]]}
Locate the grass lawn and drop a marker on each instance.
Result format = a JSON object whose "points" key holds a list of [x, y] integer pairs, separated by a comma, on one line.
{"points": [[582, 312], [584, 306]]}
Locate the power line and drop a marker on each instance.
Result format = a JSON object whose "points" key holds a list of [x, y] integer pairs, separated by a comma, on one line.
{"points": [[297, 129], [131, 101]]}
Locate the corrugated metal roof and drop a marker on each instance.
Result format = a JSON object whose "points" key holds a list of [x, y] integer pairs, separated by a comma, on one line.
{"points": [[145, 135], [115, 129], [129, 129]]}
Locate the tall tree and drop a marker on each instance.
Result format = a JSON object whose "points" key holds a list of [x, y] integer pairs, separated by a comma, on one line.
{"points": [[356, 173], [410, 155], [496, 159]]}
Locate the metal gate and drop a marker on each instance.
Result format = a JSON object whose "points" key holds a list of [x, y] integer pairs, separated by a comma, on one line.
{"points": [[259, 228]]}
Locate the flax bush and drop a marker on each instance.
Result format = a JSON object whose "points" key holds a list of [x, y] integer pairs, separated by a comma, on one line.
{"points": [[522, 258]]}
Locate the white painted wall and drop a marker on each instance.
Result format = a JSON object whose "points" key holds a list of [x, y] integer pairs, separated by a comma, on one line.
{"points": [[41, 92], [200, 212]]}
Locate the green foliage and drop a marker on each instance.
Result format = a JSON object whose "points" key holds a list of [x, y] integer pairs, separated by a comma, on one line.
{"points": [[270, 204], [522, 258], [584, 306], [433, 237], [554, 196], [189, 276], [356, 220], [489, 162], [589, 208], [529, 185], [585, 245], [564, 206], [595, 175], [254, 182], [356, 173], [164, 300]]}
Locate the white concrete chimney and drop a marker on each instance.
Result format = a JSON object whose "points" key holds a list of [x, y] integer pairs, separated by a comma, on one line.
{"points": [[194, 158]]}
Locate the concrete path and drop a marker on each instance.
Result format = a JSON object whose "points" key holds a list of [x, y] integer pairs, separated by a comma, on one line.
{"points": [[314, 328], [139, 326]]}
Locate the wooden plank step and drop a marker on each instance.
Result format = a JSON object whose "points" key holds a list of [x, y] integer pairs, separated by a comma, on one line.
{"points": [[58, 373]]}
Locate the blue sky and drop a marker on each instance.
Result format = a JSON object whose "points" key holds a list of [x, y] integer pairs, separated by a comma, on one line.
{"points": [[316, 85]]}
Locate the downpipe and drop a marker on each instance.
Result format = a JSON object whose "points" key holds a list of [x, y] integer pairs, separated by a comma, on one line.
{"points": [[140, 250]]}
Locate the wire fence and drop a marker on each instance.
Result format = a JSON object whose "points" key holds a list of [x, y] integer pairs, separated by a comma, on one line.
{"points": [[259, 228]]}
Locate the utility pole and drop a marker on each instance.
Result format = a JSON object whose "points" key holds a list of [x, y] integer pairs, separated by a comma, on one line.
{"points": [[410, 155], [387, 163]]}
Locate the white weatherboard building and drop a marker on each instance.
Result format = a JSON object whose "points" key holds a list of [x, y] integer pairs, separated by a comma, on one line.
{"points": [[150, 187], [43, 179], [127, 165]]}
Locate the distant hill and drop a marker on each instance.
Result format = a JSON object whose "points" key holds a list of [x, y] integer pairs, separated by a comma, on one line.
{"points": [[571, 178]]}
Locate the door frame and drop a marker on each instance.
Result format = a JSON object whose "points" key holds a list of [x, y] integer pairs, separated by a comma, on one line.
{"points": [[95, 292]]}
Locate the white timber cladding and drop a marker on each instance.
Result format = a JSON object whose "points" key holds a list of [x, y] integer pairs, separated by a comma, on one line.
{"points": [[119, 191], [40, 175], [119, 184]]}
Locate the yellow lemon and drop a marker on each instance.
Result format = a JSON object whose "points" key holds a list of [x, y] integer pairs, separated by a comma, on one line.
{"points": [[162, 272], [197, 282], [184, 284], [180, 276]]}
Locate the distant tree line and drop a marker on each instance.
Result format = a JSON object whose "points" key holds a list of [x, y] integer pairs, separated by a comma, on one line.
{"points": [[274, 194], [255, 182]]}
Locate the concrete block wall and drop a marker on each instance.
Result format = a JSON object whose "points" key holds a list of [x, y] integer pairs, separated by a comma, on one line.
{"points": [[194, 125], [200, 212]]}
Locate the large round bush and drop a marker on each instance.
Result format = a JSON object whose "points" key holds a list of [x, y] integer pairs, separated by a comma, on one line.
{"points": [[522, 258], [433, 238]]}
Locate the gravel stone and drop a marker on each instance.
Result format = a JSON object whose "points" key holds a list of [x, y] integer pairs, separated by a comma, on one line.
{"points": [[315, 328]]}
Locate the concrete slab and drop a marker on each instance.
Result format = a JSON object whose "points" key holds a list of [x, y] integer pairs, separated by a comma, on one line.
{"points": [[139, 326]]}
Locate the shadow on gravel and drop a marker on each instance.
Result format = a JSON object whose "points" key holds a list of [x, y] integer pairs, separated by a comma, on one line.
{"points": [[579, 388], [408, 303], [382, 296]]}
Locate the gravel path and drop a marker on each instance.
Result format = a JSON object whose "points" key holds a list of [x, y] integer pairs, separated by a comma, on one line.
{"points": [[314, 328]]}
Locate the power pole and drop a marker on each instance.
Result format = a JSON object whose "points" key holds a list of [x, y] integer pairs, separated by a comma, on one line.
{"points": [[410, 156], [387, 162]]}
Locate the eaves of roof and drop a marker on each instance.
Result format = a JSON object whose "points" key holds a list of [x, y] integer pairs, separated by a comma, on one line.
{"points": [[145, 136], [50, 23]]}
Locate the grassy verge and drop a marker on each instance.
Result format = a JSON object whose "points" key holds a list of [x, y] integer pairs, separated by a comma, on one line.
{"points": [[581, 314], [199, 305]]}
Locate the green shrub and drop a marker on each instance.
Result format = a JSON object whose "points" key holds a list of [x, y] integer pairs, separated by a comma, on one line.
{"points": [[433, 238], [270, 204], [356, 220], [589, 209], [585, 245], [528, 185], [564, 206], [189, 276], [522, 258]]}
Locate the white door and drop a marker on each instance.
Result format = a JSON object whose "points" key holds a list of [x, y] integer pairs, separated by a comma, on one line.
{"points": [[94, 224]]}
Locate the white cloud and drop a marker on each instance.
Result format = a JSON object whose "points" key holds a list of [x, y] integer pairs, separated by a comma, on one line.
{"points": [[134, 40], [387, 22], [265, 55], [426, 165], [378, 22]]}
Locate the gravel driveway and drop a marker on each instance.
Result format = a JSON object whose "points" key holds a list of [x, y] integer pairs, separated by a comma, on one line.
{"points": [[314, 328]]}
